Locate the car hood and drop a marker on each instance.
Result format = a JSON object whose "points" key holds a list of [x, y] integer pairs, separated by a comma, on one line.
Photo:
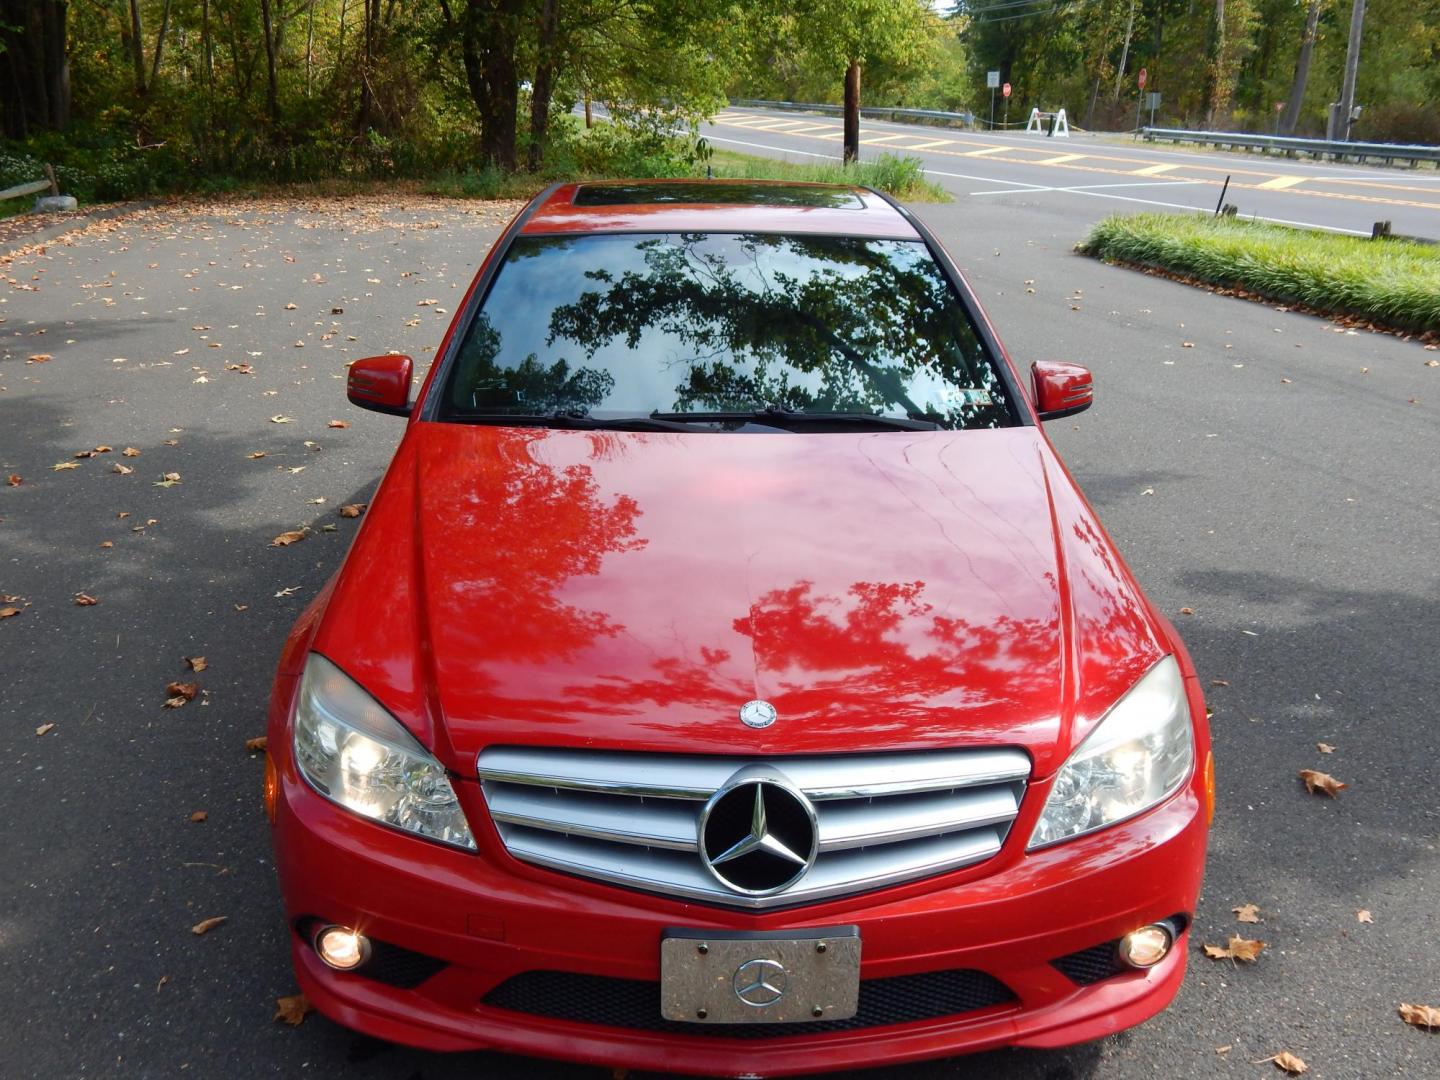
{"points": [[633, 590]]}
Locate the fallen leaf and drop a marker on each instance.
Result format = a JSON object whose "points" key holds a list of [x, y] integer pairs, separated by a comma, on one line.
{"points": [[338, 424], [38, 358], [195, 663], [352, 510], [187, 690], [1363, 915], [9, 612], [16, 479], [169, 479], [130, 451], [176, 702], [85, 600], [1319, 781], [285, 539], [1219, 682], [123, 470], [171, 442], [241, 607], [299, 344], [1324, 748], [1247, 913], [1187, 345], [1245, 950], [204, 926], [63, 465], [256, 455], [1287, 1062], [255, 744], [282, 419], [426, 303], [292, 1009], [43, 728], [199, 816], [107, 543], [289, 307], [1426, 1016], [337, 311], [1187, 611]]}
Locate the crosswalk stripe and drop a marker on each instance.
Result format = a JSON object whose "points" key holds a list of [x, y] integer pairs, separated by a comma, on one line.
{"points": [[1280, 183], [1154, 170], [1059, 159], [987, 150]]}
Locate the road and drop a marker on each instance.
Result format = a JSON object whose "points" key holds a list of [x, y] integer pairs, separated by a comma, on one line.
{"points": [[1261, 469], [1093, 176]]}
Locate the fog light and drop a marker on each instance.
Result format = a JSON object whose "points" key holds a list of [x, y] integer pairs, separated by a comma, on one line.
{"points": [[341, 948], [1146, 947]]}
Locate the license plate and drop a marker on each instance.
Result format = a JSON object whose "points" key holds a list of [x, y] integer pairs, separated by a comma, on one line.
{"points": [[710, 977]]}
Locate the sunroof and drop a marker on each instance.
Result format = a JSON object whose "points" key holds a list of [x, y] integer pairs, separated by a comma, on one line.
{"points": [[716, 192]]}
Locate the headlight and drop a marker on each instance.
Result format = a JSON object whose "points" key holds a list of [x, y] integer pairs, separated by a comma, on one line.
{"points": [[356, 754], [1137, 756]]}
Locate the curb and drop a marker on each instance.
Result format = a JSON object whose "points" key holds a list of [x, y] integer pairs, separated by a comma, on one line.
{"points": [[72, 222]]}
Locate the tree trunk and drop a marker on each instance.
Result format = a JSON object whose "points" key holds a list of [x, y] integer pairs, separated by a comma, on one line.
{"points": [[546, 64], [310, 51], [1125, 52], [272, 97], [852, 112], [137, 47], [160, 42], [1291, 115], [492, 30], [1213, 100], [589, 118]]}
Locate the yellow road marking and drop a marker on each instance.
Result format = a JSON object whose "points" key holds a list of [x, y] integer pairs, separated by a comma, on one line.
{"points": [[1280, 183], [1236, 182], [1155, 170], [929, 145], [1060, 160], [884, 138], [808, 128]]}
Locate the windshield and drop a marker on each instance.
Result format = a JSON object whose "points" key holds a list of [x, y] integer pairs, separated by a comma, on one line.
{"points": [[727, 325]]}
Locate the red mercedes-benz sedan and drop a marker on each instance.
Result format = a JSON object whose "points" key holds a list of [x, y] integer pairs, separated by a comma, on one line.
{"points": [[728, 677]]}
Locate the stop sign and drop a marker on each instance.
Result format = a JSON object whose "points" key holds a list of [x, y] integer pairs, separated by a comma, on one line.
{"points": [[1005, 89], [1144, 75]]}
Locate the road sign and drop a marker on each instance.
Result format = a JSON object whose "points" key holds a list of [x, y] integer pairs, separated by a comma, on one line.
{"points": [[1144, 77], [1005, 89], [992, 79], [1152, 100]]}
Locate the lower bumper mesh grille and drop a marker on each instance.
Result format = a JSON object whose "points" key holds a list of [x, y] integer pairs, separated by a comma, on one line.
{"points": [[1093, 964], [635, 1003]]}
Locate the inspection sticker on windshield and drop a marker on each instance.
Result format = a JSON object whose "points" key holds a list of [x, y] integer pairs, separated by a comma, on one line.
{"points": [[954, 397]]}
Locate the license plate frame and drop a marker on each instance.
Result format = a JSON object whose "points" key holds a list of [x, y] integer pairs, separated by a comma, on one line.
{"points": [[776, 977]]}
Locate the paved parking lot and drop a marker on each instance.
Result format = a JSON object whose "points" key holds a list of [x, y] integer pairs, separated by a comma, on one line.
{"points": [[1270, 477]]}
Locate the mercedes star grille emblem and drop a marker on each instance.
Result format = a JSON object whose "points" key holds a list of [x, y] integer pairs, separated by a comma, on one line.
{"points": [[759, 982], [757, 714], [758, 834]]}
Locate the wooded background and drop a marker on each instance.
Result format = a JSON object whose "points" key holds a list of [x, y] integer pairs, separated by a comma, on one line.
{"points": [[130, 96]]}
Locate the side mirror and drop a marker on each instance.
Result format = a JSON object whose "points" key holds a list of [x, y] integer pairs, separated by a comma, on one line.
{"points": [[381, 383], [1061, 389]]}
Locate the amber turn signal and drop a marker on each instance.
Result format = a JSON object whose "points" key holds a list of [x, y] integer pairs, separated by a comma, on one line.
{"points": [[272, 788], [1209, 788]]}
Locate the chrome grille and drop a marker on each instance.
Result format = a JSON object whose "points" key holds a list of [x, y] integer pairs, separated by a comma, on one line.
{"points": [[632, 819]]}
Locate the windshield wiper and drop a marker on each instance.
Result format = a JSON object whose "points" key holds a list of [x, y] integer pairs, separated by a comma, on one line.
{"points": [[778, 417], [578, 420]]}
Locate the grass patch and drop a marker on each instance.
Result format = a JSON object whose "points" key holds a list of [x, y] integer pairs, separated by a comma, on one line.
{"points": [[902, 177], [1392, 283]]}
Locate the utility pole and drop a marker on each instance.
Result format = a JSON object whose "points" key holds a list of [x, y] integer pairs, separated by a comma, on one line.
{"points": [[1342, 122]]}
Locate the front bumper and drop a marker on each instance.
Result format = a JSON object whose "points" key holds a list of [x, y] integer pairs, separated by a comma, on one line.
{"points": [[490, 918]]}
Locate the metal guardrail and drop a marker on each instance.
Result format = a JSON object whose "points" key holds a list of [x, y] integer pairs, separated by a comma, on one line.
{"points": [[935, 116], [1322, 148]]}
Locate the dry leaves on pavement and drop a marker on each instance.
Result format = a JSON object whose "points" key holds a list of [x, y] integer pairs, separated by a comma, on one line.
{"points": [[15, 479], [195, 663], [9, 612], [338, 424], [285, 539], [187, 690], [1287, 1062], [43, 728], [352, 510], [204, 926], [1247, 913], [1316, 781], [1363, 915], [84, 600], [199, 816], [1244, 950], [1421, 1016], [292, 1009], [257, 743]]}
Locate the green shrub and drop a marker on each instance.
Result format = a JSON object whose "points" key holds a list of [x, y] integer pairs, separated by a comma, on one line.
{"points": [[1392, 282]]}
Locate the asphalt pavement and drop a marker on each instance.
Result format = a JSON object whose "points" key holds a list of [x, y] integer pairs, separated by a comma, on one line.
{"points": [[1269, 476], [1089, 176]]}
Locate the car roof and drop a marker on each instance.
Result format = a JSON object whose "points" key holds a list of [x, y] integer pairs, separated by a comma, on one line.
{"points": [[764, 206]]}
